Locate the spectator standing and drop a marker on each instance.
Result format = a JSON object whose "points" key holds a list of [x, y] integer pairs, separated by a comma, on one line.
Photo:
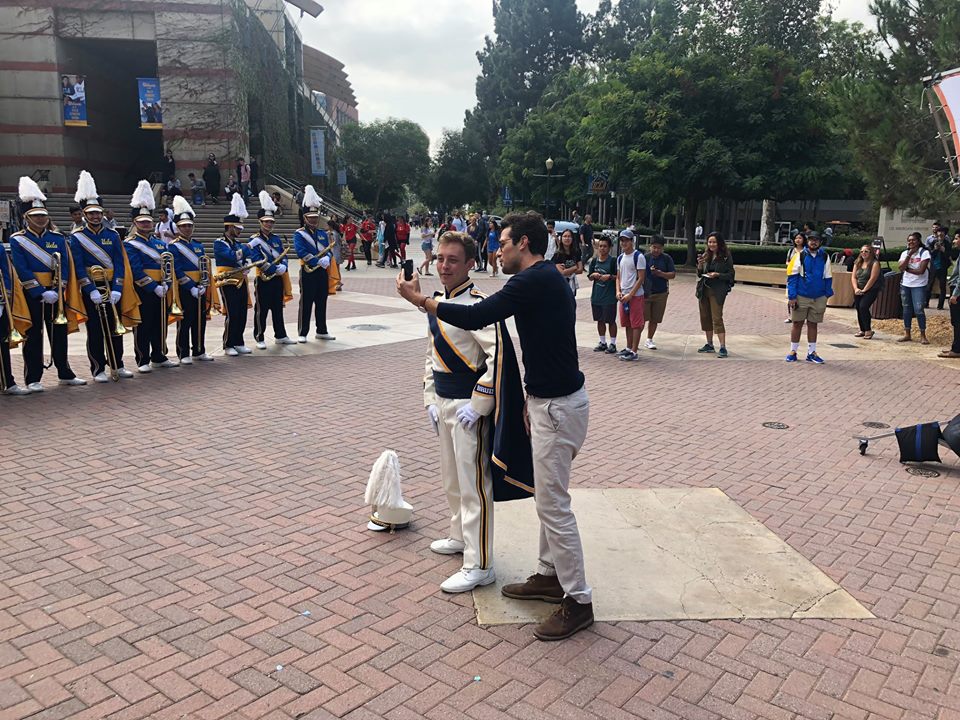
{"points": [[169, 167], [166, 228], [551, 240], [493, 246], [954, 285], [935, 228], [459, 224], [368, 231], [198, 190], [698, 233], [243, 177], [478, 231], [799, 243], [254, 175], [631, 271], [602, 270], [715, 278], [109, 222], [866, 282], [809, 285], [660, 271], [76, 219], [914, 263], [350, 231], [586, 238], [427, 236], [403, 236], [567, 260], [939, 267], [211, 176]]}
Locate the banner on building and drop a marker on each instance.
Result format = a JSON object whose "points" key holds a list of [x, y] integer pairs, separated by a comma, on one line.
{"points": [[151, 108], [507, 197], [342, 177], [599, 183], [318, 160], [74, 94], [946, 87]]}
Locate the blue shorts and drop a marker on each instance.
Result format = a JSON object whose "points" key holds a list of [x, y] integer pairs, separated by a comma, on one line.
{"points": [[492, 247]]}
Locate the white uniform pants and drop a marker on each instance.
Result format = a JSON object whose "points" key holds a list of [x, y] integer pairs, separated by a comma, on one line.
{"points": [[558, 427], [465, 469]]}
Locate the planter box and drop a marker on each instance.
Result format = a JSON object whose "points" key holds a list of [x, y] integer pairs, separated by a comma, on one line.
{"points": [[777, 277]]}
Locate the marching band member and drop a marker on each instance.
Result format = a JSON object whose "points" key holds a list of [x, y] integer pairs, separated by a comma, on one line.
{"points": [[143, 251], [313, 248], [469, 375], [93, 244], [33, 250], [197, 299], [232, 255], [14, 318], [272, 285]]}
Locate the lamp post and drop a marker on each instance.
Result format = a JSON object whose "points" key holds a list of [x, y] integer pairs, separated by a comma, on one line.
{"points": [[546, 200]]}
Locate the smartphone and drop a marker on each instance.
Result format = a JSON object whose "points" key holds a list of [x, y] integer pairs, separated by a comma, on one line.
{"points": [[408, 269]]}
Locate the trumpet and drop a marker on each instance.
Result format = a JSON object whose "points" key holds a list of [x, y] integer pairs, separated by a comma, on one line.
{"points": [[308, 269], [235, 277], [98, 275], [287, 246]]}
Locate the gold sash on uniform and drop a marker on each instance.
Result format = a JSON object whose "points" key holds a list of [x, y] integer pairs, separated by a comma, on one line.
{"points": [[20, 312], [72, 298]]}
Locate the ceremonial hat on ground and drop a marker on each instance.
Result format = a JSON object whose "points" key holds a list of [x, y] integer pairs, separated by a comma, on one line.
{"points": [[182, 212], [238, 211], [31, 197], [87, 195], [142, 202], [389, 511], [268, 207]]}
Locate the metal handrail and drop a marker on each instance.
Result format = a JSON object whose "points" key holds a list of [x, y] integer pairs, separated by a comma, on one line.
{"points": [[294, 187]]}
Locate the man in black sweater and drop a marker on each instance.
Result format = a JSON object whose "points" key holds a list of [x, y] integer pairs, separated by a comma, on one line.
{"points": [[557, 408]]}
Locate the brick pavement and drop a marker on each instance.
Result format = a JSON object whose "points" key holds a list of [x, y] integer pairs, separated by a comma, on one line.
{"points": [[192, 545]]}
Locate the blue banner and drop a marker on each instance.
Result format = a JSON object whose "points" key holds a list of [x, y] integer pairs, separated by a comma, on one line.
{"points": [[507, 198], [73, 90], [151, 109], [342, 177], [318, 160]]}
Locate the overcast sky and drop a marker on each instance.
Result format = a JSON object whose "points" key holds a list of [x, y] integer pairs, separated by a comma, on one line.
{"points": [[416, 59]]}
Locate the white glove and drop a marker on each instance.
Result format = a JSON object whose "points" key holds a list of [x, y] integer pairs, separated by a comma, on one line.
{"points": [[468, 416], [434, 416], [195, 291], [325, 262], [201, 289], [49, 297], [115, 296], [160, 290], [95, 297], [281, 269], [2, 308]]}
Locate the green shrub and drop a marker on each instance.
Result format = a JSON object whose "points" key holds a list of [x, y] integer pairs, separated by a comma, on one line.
{"points": [[761, 254]]}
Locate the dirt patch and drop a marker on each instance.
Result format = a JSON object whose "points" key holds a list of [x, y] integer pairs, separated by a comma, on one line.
{"points": [[939, 329]]}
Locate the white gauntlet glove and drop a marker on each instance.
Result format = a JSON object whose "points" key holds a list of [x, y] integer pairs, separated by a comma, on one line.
{"points": [[160, 290], [95, 297], [325, 262], [195, 291], [281, 269], [115, 296], [434, 416], [468, 416], [49, 296]]}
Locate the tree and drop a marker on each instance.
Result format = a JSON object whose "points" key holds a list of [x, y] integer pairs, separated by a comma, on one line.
{"points": [[457, 174], [382, 157], [613, 31]]}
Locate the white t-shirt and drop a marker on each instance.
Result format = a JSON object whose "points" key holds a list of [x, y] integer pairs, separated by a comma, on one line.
{"points": [[551, 246], [629, 272], [909, 279]]}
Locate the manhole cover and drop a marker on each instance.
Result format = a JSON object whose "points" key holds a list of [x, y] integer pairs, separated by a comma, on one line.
{"points": [[923, 472], [875, 425], [776, 426], [843, 346], [367, 328]]}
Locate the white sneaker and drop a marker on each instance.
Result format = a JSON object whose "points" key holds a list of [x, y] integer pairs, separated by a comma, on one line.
{"points": [[286, 341], [232, 352], [165, 364], [186, 360], [124, 373], [204, 358], [261, 345], [324, 336], [447, 546], [17, 390], [144, 369], [467, 579], [301, 338], [35, 387], [243, 349], [73, 381], [101, 378], [650, 344]]}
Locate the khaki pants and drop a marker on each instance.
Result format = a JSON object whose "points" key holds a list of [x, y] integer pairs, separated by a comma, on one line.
{"points": [[465, 469], [711, 313], [558, 427]]}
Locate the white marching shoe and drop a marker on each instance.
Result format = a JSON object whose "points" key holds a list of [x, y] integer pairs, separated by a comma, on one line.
{"points": [[144, 369], [286, 341], [324, 336], [186, 360], [231, 351], [468, 579], [124, 373], [243, 349], [101, 378], [447, 546], [301, 338], [73, 381], [35, 387], [165, 364], [205, 357], [261, 345], [17, 390]]}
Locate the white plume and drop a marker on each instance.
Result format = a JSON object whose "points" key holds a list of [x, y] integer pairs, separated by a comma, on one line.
{"points": [[383, 487], [143, 196], [86, 187], [180, 205], [266, 202], [310, 197], [29, 190], [238, 207]]}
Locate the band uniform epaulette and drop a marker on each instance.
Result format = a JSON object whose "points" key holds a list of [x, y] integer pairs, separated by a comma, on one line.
{"points": [[18, 232], [477, 293]]}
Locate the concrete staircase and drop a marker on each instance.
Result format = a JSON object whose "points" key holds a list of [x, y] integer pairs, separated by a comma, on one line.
{"points": [[208, 224]]}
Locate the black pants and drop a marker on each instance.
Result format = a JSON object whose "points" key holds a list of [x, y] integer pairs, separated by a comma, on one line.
{"points": [[935, 277], [367, 245], [862, 303], [269, 300], [235, 302], [8, 380], [149, 335], [192, 325], [96, 350], [955, 321], [313, 298], [42, 315]]}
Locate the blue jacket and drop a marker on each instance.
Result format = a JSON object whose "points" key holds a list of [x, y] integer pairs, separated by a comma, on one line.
{"points": [[104, 248], [810, 276]]}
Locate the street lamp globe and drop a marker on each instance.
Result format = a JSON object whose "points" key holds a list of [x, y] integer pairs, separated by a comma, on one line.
{"points": [[549, 164]]}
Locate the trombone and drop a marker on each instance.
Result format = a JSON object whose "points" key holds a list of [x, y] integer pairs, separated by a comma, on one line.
{"points": [[13, 336], [235, 277], [287, 246], [98, 275], [204, 267], [167, 278], [306, 266], [60, 318]]}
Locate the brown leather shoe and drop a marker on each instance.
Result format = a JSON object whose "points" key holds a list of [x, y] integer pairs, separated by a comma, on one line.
{"points": [[537, 587], [570, 618], [948, 354]]}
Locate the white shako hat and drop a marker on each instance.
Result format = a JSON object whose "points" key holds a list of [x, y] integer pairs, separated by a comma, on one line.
{"points": [[238, 211], [31, 197], [268, 208], [311, 201], [183, 214], [87, 196], [142, 202], [389, 511]]}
